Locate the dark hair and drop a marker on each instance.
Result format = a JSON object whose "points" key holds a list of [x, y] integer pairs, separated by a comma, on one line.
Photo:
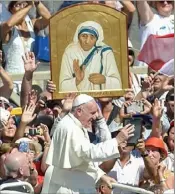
{"points": [[38, 89], [131, 52], [170, 95], [11, 4]]}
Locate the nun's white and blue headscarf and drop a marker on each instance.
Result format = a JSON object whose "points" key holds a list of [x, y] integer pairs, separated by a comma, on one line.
{"points": [[90, 27]]}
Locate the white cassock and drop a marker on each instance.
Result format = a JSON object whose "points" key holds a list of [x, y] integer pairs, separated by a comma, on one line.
{"points": [[73, 159]]}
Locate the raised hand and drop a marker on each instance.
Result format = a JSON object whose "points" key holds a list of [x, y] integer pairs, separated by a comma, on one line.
{"points": [[168, 84], [122, 110], [29, 62], [147, 86], [157, 109], [28, 113], [141, 146], [67, 102], [99, 113], [147, 106], [50, 87], [97, 78], [45, 137], [125, 133], [79, 73]]}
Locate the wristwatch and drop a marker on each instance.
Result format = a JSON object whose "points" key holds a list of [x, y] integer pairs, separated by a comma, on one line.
{"points": [[145, 154]]}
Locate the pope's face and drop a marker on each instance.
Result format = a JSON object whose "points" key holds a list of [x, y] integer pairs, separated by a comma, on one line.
{"points": [[88, 114], [87, 41]]}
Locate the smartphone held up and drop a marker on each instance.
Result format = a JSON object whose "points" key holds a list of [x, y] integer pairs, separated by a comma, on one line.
{"points": [[137, 123]]}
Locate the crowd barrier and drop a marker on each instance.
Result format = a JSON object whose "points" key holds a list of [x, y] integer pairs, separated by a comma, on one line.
{"points": [[131, 188], [4, 188]]}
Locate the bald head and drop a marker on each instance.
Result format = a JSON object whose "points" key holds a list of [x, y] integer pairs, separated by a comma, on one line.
{"points": [[14, 162]]}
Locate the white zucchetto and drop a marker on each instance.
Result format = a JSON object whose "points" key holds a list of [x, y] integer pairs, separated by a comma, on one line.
{"points": [[81, 99]]}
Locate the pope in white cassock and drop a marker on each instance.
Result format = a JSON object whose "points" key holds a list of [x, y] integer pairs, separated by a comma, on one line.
{"points": [[88, 63], [72, 158]]}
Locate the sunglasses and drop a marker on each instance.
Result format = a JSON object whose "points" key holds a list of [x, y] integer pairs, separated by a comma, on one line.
{"points": [[21, 5], [4, 104], [162, 2]]}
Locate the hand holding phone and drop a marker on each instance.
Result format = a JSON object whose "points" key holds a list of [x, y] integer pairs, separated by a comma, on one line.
{"points": [[137, 123], [4, 116], [134, 106]]}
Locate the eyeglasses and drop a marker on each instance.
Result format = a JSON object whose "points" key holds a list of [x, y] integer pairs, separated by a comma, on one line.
{"points": [[21, 5], [169, 2]]}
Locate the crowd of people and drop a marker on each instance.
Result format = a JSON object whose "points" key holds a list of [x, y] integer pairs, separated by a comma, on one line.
{"points": [[82, 144]]}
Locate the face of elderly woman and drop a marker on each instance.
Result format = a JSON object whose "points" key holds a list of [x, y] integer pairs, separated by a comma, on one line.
{"points": [[164, 8], [154, 154], [171, 139], [87, 41]]}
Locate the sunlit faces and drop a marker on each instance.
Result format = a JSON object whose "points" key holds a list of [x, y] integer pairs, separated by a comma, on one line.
{"points": [[129, 95], [10, 129], [154, 154], [88, 113], [171, 139], [158, 81], [18, 6], [170, 105], [164, 8], [87, 41]]}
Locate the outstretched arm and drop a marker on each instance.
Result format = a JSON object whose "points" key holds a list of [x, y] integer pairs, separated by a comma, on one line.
{"points": [[145, 12], [15, 19], [30, 66], [7, 88], [43, 21], [129, 9]]}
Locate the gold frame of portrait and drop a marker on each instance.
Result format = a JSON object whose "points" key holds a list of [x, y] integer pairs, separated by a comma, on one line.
{"points": [[114, 23]]}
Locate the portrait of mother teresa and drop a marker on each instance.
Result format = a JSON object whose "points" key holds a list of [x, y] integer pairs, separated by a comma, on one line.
{"points": [[88, 63]]}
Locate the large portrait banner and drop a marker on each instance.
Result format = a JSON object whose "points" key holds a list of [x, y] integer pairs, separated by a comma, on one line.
{"points": [[89, 54]]}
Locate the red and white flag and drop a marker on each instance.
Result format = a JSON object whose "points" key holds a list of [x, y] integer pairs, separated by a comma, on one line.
{"points": [[158, 53], [168, 68]]}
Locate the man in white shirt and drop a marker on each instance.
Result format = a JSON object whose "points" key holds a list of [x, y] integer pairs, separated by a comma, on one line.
{"points": [[73, 157], [127, 170]]}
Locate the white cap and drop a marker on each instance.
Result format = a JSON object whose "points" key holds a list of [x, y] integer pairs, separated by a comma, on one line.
{"points": [[81, 99], [4, 99]]}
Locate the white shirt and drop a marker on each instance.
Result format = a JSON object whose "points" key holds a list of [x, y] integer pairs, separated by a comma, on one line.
{"points": [[169, 162], [130, 174], [16, 47], [74, 157], [159, 25]]}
